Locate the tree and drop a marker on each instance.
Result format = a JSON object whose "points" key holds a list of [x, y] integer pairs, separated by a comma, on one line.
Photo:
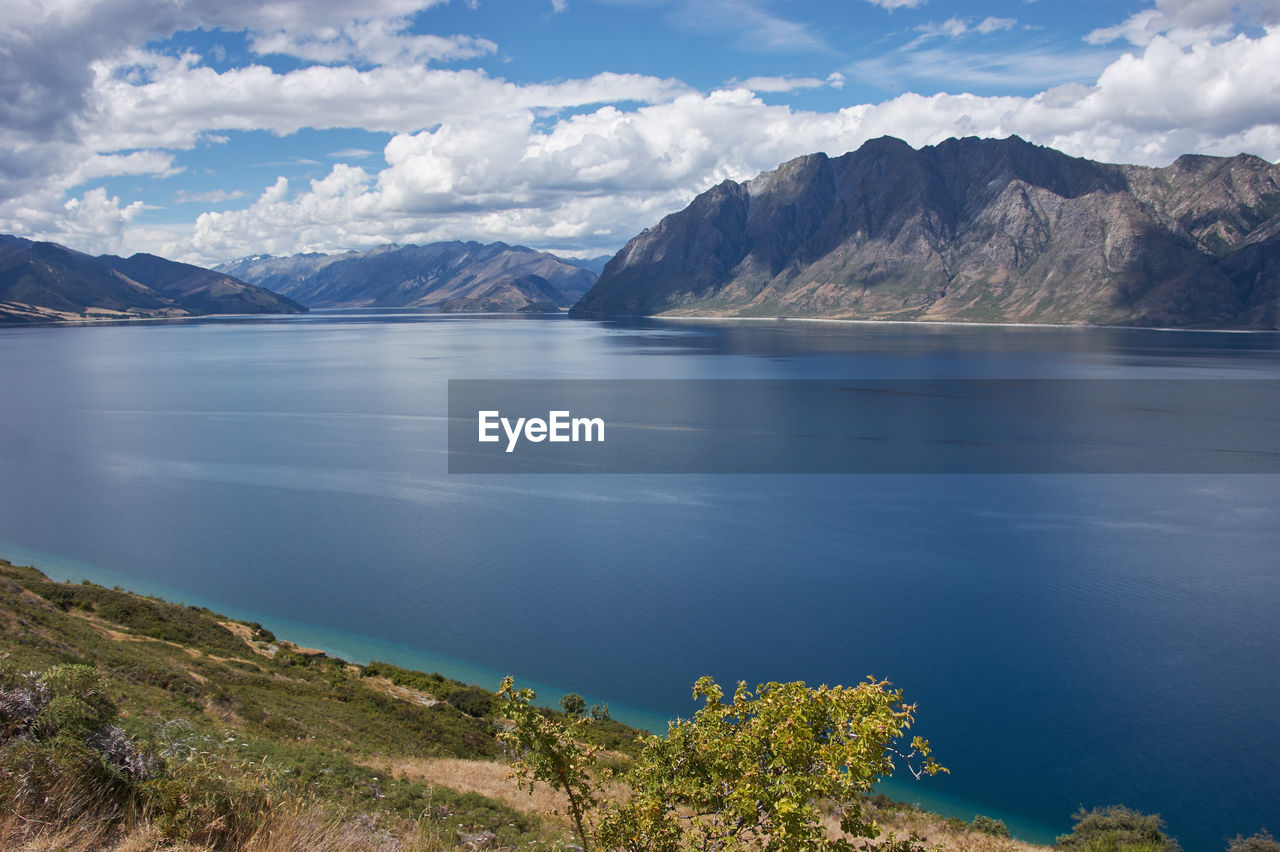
{"points": [[752, 773], [1116, 828], [573, 704], [550, 750]]}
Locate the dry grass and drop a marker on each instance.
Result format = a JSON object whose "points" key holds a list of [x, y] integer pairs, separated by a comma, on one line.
{"points": [[298, 829], [488, 778]]}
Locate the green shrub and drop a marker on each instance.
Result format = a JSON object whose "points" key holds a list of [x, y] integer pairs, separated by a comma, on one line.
{"points": [[573, 704], [473, 700], [61, 759], [987, 825], [1116, 828], [1260, 842], [209, 803]]}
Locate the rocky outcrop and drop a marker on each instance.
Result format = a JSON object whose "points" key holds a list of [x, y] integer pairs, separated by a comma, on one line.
{"points": [[971, 229]]}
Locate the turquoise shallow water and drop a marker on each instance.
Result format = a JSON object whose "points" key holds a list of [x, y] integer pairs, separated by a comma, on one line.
{"points": [[1071, 639]]}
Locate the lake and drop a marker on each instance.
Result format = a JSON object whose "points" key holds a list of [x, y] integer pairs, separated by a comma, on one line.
{"points": [[1071, 638]]}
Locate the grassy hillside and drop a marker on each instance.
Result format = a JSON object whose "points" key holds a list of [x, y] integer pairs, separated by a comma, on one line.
{"points": [[193, 731]]}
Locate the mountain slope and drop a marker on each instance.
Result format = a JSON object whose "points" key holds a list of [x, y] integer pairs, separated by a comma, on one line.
{"points": [[41, 281], [200, 290], [451, 276], [971, 229]]}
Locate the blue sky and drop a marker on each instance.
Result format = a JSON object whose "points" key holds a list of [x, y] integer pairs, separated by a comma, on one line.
{"points": [[217, 128]]}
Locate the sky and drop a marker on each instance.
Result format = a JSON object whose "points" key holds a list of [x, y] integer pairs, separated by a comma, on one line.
{"points": [[207, 130]]}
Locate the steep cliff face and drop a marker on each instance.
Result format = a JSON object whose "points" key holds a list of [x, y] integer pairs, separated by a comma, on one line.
{"points": [[450, 275], [971, 229]]}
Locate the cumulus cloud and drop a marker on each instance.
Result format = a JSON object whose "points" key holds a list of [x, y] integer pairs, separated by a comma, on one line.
{"points": [[181, 101], [1189, 21], [53, 52]]}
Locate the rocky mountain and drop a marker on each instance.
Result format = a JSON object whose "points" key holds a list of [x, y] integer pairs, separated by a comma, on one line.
{"points": [[453, 276], [977, 230], [41, 281]]}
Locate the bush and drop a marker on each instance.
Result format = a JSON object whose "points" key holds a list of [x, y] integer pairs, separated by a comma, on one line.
{"points": [[987, 825], [1260, 842], [61, 759], [573, 704], [202, 803], [1116, 828], [473, 700]]}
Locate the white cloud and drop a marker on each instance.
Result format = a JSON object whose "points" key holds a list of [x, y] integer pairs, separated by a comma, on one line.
{"points": [[350, 154], [897, 4], [156, 163], [215, 196], [1188, 21], [378, 41], [992, 24], [182, 101], [755, 27], [52, 53], [957, 27], [918, 64], [789, 84]]}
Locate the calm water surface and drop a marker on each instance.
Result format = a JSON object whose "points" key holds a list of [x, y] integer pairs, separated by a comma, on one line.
{"points": [[1070, 639]]}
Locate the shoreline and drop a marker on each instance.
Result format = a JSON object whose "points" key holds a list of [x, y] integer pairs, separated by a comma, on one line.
{"points": [[948, 323], [108, 320]]}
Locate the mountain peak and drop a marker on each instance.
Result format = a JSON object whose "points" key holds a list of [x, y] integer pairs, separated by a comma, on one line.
{"points": [[984, 230]]}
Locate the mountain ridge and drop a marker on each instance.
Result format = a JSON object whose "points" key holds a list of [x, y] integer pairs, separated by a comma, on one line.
{"points": [[974, 230], [451, 276], [46, 281]]}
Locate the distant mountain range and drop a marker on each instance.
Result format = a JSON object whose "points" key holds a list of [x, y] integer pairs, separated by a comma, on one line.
{"points": [[42, 281], [972, 230], [451, 276], [977, 230]]}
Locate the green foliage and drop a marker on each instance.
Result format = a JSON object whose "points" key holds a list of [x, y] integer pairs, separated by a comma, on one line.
{"points": [[1260, 842], [61, 758], [202, 802], [78, 702], [573, 704], [988, 825], [433, 684], [145, 616], [747, 774], [552, 750], [472, 700], [1117, 828]]}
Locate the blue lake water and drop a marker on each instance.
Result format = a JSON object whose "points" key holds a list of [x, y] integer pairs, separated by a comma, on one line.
{"points": [[1070, 639]]}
